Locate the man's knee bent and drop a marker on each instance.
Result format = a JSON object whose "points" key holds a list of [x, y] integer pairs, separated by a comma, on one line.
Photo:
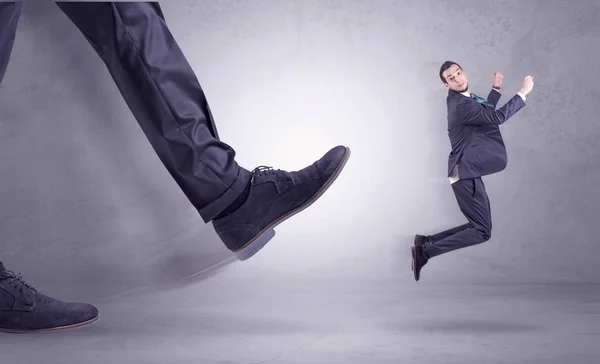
{"points": [[485, 233]]}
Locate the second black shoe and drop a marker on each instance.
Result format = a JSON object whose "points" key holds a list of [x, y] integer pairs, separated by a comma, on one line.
{"points": [[419, 259], [23, 309], [420, 240]]}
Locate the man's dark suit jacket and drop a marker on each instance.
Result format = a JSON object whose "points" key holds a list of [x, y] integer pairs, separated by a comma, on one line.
{"points": [[474, 132]]}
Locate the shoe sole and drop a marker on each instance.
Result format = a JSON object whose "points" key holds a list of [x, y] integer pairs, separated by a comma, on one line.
{"points": [[59, 328], [266, 234], [413, 251]]}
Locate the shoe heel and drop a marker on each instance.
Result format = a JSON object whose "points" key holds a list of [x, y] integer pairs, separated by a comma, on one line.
{"points": [[249, 250]]}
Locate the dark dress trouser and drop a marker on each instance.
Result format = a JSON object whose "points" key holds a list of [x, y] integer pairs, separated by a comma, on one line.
{"points": [[161, 90], [474, 203]]}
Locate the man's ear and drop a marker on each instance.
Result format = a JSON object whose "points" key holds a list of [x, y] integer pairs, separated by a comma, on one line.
{"points": [[447, 85]]}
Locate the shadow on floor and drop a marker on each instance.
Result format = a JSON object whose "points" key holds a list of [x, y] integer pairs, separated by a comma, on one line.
{"points": [[477, 327]]}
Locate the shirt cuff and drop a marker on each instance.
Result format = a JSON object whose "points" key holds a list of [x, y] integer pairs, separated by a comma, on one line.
{"points": [[522, 96]]}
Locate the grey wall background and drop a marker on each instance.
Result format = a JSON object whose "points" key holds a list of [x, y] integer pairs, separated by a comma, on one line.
{"points": [[86, 208]]}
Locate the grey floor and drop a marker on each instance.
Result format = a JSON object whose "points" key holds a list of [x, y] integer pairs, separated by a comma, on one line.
{"points": [[241, 316], [88, 213]]}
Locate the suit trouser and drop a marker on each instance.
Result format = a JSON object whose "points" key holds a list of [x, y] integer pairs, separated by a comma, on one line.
{"points": [[474, 203], [161, 90]]}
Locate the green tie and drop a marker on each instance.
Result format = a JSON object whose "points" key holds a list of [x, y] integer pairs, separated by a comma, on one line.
{"points": [[481, 100]]}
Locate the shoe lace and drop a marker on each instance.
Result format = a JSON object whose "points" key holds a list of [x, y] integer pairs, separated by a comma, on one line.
{"points": [[17, 282], [260, 169]]}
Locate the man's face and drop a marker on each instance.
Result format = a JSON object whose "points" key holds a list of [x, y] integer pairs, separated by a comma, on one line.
{"points": [[456, 79]]}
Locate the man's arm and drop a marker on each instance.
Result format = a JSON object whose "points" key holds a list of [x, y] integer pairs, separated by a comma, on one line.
{"points": [[473, 113], [495, 94], [494, 97], [476, 114]]}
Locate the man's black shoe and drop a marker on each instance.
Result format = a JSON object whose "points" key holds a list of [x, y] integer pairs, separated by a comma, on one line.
{"points": [[419, 259], [23, 309], [275, 196], [420, 240]]}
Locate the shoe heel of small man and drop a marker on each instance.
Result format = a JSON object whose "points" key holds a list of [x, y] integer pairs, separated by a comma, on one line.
{"points": [[255, 246]]}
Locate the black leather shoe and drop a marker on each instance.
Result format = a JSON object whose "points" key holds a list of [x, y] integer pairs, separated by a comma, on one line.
{"points": [[23, 309], [420, 240], [274, 197], [419, 259]]}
